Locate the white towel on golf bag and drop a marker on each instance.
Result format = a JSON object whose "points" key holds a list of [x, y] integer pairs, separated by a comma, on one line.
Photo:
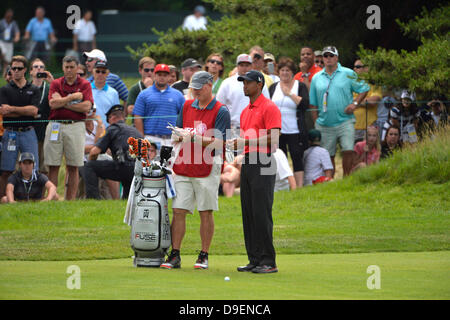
{"points": [[128, 214]]}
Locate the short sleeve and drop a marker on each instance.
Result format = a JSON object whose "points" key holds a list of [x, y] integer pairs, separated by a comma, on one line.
{"points": [[223, 122], [139, 106], [272, 117]]}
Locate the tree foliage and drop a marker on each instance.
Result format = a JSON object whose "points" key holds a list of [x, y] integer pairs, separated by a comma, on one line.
{"points": [[426, 70], [273, 25]]}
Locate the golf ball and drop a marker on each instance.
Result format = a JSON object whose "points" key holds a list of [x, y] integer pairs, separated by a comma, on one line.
{"points": [[227, 278]]}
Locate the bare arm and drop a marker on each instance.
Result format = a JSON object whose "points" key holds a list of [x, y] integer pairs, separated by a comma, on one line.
{"points": [[292, 184], [93, 154], [139, 124], [10, 193], [359, 98], [14, 111], [75, 42], [314, 113], [82, 107], [57, 101], [17, 37], [51, 191]]}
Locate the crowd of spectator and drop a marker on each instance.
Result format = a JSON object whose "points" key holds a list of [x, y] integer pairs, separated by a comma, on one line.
{"points": [[325, 108]]}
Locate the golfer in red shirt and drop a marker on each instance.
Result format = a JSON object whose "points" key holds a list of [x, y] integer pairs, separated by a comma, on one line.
{"points": [[260, 125]]}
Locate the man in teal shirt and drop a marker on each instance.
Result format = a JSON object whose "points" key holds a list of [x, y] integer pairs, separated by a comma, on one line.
{"points": [[331, 94]]}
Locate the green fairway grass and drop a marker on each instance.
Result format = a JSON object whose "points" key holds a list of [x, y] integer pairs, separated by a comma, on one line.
{"points": [[395, 214], [420, 275], [332, 218]]}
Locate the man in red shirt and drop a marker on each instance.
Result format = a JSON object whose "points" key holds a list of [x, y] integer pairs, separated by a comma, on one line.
{"points": [[307, 66], [307, 71], [260, 129], [70, 98]]}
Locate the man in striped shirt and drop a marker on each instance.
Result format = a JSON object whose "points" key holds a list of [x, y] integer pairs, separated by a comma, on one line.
{"points": [[157, 106]]}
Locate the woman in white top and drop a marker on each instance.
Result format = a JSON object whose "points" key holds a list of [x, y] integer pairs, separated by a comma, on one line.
{"points": [[292, 97]]}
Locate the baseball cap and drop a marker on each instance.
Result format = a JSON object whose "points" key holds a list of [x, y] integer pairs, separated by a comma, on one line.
{"points": [[99, 54], [330, 49], [252, 75], [269, 56], [318, 53], [162, 68], [408, 95], [314, 136], [200, 9], [26, 156], [190, 62], [244, 58], [116, 107], [101, 64], [200, 78]]}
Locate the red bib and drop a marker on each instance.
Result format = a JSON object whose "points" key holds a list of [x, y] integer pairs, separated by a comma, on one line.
{"points": [[193, 159]]}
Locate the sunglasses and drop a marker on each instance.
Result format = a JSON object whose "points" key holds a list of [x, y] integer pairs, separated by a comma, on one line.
{"points": [[100, 71], [90, 59], [81, 74], [38, 67], [149, 69], [358, 66], [215, 61], [318, 61], [328, 55], [17, 68], [257, 56]]}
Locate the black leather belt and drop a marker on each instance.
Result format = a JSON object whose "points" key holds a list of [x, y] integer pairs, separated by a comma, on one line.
{"points": [[68, 121], [20, 129]]}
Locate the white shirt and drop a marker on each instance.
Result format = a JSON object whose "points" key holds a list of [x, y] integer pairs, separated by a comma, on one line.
{"points": [[90, 138], [283, 171], [288, 109], [316, 160], [191, 23], [85, 30], [231, 94]]}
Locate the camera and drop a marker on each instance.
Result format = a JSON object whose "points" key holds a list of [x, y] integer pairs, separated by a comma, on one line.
{"points": [[41, 75], [120, 156]]}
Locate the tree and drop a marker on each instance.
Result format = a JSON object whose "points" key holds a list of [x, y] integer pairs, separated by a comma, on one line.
{"points": [[283, 27], [273, 25], [426, 70]]}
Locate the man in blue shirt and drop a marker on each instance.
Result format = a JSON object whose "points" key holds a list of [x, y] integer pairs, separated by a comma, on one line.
{"points": [[40, 29], [331, 92], [113, 80], [104, 96], [157, 106]]}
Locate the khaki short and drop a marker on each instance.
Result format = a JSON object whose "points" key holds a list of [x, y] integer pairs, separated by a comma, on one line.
{"points": [[70, 143], [202, 193]]}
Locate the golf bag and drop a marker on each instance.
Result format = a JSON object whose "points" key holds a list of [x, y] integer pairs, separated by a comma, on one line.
{"points": [[148, 206]]}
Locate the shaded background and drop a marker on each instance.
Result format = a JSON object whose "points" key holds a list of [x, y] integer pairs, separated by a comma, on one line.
{"points": [[339, 23]]}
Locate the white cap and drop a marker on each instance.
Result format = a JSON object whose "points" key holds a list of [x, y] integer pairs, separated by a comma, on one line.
{"points": [[243, 58], [408, 95], [95, 54]]}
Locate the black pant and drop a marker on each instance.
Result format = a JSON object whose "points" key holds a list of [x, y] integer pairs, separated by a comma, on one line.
{"points": [[296, 149], [107, 169], [257, 188]]}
